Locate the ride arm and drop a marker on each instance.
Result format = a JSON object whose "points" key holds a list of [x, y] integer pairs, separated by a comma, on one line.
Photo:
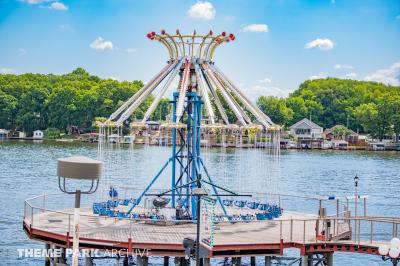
{"points": [[157, 100], [204, 94], [182, 90], [147, 90], [137, 94], [261, 117], [229, 93], [225, 95], [216, 99]]}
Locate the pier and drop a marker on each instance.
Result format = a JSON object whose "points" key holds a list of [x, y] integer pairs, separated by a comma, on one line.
{"points": [[317, 238]]}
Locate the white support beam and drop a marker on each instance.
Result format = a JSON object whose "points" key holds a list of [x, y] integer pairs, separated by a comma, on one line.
{"points": [[144, 94], [182, 90], [261, 117], [204, 93], [225, 95], [137, 94], [159, 96]]}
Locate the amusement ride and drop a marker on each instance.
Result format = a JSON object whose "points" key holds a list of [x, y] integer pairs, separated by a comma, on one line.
{"points": [[201, 102]]}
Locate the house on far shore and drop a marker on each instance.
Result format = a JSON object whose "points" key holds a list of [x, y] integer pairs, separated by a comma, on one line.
{"points": [[340, 134], [307, 134], [3, 134], [37, 134]]}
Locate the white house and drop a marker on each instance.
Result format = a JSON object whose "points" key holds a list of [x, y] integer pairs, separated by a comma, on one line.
{"points": [[38, 134], [3, 133], [307, 133]]}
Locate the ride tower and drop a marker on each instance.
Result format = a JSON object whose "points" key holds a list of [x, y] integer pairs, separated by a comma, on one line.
{"points": [[200, 84]]}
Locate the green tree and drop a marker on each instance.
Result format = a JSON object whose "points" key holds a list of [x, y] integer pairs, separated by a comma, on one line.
{"points": [[276, 109], [367, 114], [8, 109]]}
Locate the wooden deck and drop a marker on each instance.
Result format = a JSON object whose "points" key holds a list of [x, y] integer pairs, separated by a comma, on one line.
{"points": [[239, 239]]}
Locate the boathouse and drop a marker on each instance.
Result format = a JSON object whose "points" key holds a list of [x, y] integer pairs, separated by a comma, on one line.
{"points": [[3, 134], [341, 133], [37, 134], [307, 134]]}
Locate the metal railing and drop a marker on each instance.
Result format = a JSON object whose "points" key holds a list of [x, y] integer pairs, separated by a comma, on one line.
{"points": [[368, 230]]}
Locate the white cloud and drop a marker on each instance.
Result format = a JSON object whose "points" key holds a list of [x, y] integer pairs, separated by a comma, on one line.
{"points": [[202, 10], [130, 50], [34, 2], [343, 66], [320, 75], [58, 6], [115, 78], [351, 75], [256, 28], [101, 44], [254, 92], [323, 44], [6, 71], [390, 76], [265, 81]]}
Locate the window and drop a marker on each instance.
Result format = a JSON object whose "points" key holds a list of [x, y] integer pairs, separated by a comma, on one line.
{"points": [[303, 131]]}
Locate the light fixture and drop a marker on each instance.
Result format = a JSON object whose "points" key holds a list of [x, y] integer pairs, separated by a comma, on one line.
{"points": [[391, 252], [83, 169]]}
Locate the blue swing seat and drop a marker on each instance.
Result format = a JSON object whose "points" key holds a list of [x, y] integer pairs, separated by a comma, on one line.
{"points": [[240, 203]]}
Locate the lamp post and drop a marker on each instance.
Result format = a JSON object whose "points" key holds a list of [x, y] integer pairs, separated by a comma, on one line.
{"points": [[78, 168], [198, 192], [356, 179], [391, 252]]}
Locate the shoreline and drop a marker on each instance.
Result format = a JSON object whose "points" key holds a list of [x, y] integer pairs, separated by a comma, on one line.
{"points": [[246, 147]]}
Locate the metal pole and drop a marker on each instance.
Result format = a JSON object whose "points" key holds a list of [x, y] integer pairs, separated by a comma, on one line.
{"points": [[173, 152], [75, 241], [365, 206], [198, 231]]}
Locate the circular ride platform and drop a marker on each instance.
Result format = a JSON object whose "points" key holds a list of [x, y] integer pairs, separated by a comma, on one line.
{"points": [[310, 233]]}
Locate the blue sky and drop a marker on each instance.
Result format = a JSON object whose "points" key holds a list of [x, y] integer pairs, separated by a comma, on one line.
{"points": [[279, 43]]}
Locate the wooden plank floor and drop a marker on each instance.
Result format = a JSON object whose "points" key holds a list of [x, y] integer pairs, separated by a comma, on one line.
{"points": [[241, 233]]}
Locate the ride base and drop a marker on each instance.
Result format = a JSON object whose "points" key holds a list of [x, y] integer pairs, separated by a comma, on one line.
{"points": [[316, 237]]}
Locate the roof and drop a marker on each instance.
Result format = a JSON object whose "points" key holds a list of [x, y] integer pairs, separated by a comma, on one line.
{"points": [[330, 130], [308, 122]]}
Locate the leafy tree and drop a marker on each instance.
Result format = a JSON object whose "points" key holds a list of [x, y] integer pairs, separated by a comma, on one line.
{"points": [[276, 109], [367, 115], [36, 101]]}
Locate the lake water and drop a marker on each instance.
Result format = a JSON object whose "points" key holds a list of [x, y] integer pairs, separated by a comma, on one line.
{"points": [[28, 169]]}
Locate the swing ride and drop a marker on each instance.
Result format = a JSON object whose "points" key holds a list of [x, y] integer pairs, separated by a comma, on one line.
{"points": [[200, 83]]}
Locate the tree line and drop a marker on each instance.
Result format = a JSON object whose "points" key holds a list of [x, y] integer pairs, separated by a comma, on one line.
{"points": [[37, 101], [367, 107]]}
